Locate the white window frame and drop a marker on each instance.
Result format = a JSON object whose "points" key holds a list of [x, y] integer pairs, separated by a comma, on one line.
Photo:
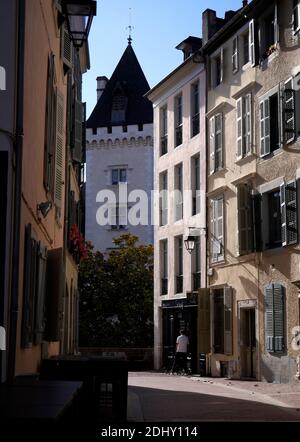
{"points": [[235, 54], [217, 237], [119, 169], [296, 11], [163, 129], [115, 216], [265, 121]]}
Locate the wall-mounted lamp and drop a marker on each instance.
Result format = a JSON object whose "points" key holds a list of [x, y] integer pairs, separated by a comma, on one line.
{"points": [[79, 15], [45, 208], [189, 243]]}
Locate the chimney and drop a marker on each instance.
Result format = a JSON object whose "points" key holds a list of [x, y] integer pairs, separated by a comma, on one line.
{"points": [[245, 3], [209, 24], [101, 85]]}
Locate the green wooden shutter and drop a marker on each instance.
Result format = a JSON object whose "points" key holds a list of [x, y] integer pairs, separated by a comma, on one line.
{"points": [[29, 288], [59, 151], [49, 128], [54, 295], [78, 114], [204, 321], [278, 303], [228, 305], [40, 293], [269, 318]]}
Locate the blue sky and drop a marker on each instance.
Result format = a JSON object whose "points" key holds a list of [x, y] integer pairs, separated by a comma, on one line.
{"points": [[159, 25]]}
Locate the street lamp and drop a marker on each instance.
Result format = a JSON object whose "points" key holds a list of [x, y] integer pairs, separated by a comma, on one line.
{"points": [[189, 243], [79, 16]]}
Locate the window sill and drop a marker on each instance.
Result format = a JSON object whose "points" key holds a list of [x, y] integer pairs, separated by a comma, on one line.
{"points": [[247, 158], [217, 263], [264, 63], [271, 154], [219, 171]]}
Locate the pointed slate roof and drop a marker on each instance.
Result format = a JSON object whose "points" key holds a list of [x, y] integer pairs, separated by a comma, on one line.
{"points": [[129, 77]]}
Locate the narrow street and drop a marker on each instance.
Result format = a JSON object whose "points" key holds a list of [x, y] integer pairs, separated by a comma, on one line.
{"points": [[158, 397]]}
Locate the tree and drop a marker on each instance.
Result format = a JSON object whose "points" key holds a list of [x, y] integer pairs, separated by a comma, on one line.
{"points": [[116, 302]]}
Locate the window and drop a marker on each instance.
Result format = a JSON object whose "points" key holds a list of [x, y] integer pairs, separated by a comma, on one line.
{"points": [[118, 176], [246, 48], [222, 316], [35, 262], [216, 143], [163, 199], [164, 266], [244, 129], [217, 69], [235, 56], [94, 130], [291, 109], [196, 265], [50, 132], [179, 263], [109, 129], [217, 229], [245, 221], [140, 127], [195, 177], [195, 110], [269, 124], [178, 120], [118, 217], [274, 317], [296, 15], [163, 130], [125, 128], [119, 105], [279, 216], [178, 186], [268, 32]]}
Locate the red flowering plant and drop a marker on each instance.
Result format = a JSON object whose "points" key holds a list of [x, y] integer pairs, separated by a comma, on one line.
{"points": [[77, 243]]}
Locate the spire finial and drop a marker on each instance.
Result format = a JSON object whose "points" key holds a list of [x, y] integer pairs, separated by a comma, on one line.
{"points": [[130, 27]]}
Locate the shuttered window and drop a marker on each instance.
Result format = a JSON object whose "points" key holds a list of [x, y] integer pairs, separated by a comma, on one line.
{"points": [[50, 125], [223, 320], [244, 126], [245, 219], [34, 287], [275, 317], [264, 108], [77, 131], [289, 117], [216, 142], [217, 229], [59, 150], [296, 15], [252, 49], [66, 47], [235, 60]]}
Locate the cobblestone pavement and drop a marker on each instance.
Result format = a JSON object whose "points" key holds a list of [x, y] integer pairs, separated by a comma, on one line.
{"points": [[158, 397]]}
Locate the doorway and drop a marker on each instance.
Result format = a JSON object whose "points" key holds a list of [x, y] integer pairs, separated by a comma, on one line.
{"points": [[248, 342]]}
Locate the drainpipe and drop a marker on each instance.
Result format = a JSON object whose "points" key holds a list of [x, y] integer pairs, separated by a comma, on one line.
{"points": [[14, 308]]}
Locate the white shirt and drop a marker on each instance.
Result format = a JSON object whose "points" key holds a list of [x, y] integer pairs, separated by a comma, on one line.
{"points": [[182, 342]]}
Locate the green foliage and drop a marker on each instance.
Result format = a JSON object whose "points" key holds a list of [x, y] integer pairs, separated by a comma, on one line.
{"points": [[116, 296]]}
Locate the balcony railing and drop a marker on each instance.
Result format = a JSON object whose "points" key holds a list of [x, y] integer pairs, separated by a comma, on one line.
{"points": [[164, 286], [178, 135], [164, 144], [196, 280], [179, 283]]}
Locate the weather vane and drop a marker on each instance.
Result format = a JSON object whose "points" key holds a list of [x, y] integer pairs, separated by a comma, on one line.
{"points": [[130, 27]]}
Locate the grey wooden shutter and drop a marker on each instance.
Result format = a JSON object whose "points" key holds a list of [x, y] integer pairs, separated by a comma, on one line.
{"points": [[278, 303], [252, 48], [269, 318], [66, 47], [83, 133], [204, 321], [235, 52], [78, 114], [248, 123], [264, 127], [218, 141], [283, 215], [289, 117], [228, 305], [40, 293], [222, 67], [50, 127], [212, 147], [54, 295], [243, 219], [239, 128], [59, 151], [291, 218]]}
